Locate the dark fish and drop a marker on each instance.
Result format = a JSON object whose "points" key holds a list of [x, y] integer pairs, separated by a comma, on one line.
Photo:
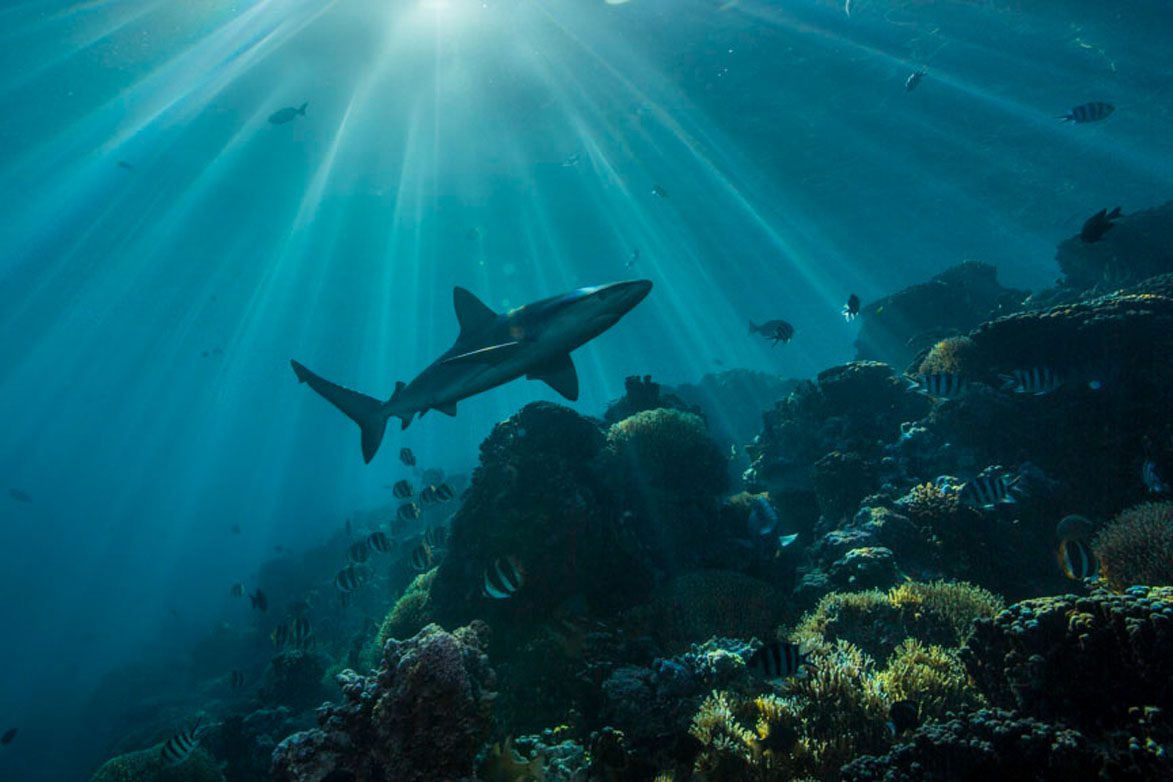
{"points": [[1036, 380], [8, 736], [422, 558], [180, 746], [444, 493], [763, 518], [237, 590], [659, 191], [1098, 224], [428, 495], [776, 330], [126, 166], [358, 552], [634, 257], [235, 529], [851, 308], [407, 457], [280, 636], [301, 633], [903, 716], [402, 490], [1089, 112], [1154, 481], [378, 541], [939, 385], [1077, 560], [287, 114], [986, 492], [777, 660], [1074, 527], [436, 536], [504, 578], [259, 601], [348, 579], [408, 511], [236, 679], [913, 80], [19, 495]]}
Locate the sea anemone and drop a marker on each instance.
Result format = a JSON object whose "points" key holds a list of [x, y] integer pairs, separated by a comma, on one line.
{"points": [[952, 354]]}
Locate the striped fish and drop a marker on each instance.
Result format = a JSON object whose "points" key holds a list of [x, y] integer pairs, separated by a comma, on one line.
{"points": [[236, 679], [504, 578], [428, 495], [348, 579], [280, 636], [301, 633], [402, 490], [180, 746], [422, 558], [939, 385], [1036, 380], [986, 492], [777, 660], [1089, 112], [407, 457], [408, 511], [444, 492], [358, 552], [378, 541], [775, 330], [1077, 560], [436, 536]]}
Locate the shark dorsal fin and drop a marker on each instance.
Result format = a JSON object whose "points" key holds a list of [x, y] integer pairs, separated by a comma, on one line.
{"points": [[472, 314]]}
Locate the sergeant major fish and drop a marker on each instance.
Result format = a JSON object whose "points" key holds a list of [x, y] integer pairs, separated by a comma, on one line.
{"points": [[776, 330], [777, 660], [180, 746], [986, 492], [1088, 112], [1037, 381]]}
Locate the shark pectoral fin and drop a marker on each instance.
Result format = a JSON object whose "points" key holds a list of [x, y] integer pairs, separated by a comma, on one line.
{"points": [[472, 314], [490, 355], [448, 409], [559, 374], [360, 408]]}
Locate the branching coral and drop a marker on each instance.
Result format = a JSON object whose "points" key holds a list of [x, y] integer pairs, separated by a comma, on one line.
{"points": [[727, 744], [927, 503], [933, 676], [1137, 548]]}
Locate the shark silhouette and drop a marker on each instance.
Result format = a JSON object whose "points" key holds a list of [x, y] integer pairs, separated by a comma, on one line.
{"points": [[493, 348]]}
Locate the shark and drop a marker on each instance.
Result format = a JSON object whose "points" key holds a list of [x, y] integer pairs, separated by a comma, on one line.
{"points": [[534, 341]]}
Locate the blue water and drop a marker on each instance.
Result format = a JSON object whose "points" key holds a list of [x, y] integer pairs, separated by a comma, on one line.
{"points": [[148, 312]]}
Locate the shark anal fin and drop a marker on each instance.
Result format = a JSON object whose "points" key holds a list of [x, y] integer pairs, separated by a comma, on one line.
{"points": [[489, 355], [559, 374], [360, 408], [472, 314]]}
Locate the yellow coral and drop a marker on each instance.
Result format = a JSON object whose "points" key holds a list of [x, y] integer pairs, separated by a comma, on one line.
{"points": [[952, 354], [928, 502], [1137, 547], [933, 676], [956, 603]]}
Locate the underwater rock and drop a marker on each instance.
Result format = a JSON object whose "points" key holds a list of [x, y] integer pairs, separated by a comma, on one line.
{"points": [[246, 742], [841, 480], [733, 401], [294, 679], [895, 328], [422, 716], [147, 766], [642, 394], [1084, 660], [1139, 246]]}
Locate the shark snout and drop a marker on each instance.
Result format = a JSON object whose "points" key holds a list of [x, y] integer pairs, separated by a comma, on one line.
{"points": [[626, 294]]}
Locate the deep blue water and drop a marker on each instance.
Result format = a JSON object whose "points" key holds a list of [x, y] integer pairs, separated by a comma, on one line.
{"points": [[148, 311]]}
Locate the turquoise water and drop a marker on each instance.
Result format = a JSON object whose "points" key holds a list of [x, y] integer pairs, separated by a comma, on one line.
{"points": [[148, 310]]}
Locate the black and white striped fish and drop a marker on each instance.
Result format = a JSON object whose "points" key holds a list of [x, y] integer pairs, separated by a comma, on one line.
{"points": [[1089, 112], [236, 679], [504, 578], [348, 579], [939, 385], [402, 490], [777, 660], [436, 536], [444, 492], [986, 492], [428, 495], [407, 457], [180, 746], [422, 558], [358, 552], [1077, 560], [378, 541], [1036, 380], [408, 511]]}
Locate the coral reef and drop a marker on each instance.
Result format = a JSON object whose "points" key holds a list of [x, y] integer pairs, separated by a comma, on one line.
{"points": [[422, 716], [952, 354], [1137, 547], [667, 451], [1136, 248], [412, 610], [641, 394], [294, 678], [147, 766]]}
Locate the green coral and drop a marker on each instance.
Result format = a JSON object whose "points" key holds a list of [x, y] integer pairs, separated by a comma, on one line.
{"points": [[669, 450], [1137, 547], [147, 766], [933, 676], [953, 354], [412, 611], [927, 503]]}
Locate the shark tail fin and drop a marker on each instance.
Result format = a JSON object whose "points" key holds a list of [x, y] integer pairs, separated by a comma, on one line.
{"points": [[301, 109], [754, 328], [365, 411]]}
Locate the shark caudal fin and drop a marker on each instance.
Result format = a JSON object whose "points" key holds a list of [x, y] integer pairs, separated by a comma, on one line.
{"points": [[360, 408]]}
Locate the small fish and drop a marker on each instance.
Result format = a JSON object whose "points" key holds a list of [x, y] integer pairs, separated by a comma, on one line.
{"points": [[428, 495], [301, 633], [763, 518], [632, 260], [287, 114], [986, 492], [358, 552], [236, 679], [1074, 527], [776, 330], [8, 736], [348, 579], [422, 558], [444, 493], [1036, 380], [1077, 560], [1088, 112], [939, 385], [851, 308], [571, 160], [180, 746], [407, 457], [659, 191], [504, 578], [1098, 224], [1150, 473], [19, 495], [913, 80], [436, 536], [786, 540], [235, 529], [903, 716], [125, 166], [378, 541], [777, 660], [402, 490], [237, 590], [280, 635], [408, 511], [259, 601]]}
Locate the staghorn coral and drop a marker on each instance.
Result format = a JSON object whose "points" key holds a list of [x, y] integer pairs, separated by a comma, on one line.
{"points": [[423, 715], [727, 745], [934, 676], [952, 354], [147, 766], [1137, 547]]}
